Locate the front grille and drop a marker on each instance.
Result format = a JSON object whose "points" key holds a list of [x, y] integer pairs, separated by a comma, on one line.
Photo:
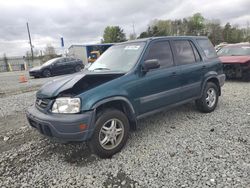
{"points": [[43, 128], [42, 103]]}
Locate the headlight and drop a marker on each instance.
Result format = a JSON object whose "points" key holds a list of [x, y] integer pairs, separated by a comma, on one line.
{"points": [[66, 105]]}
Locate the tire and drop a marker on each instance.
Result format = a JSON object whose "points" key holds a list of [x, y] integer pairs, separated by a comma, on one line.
{"points": [[103, 139], [46, 73], [78, 68], [207, 103]]}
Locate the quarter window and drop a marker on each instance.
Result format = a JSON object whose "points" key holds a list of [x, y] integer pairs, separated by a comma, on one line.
{"points": [[161, 51], [184, 52], [207, 47]]}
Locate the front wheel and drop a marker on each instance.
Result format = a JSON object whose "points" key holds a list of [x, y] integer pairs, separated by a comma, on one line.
{"points": [[111, 133], [208, 102]]}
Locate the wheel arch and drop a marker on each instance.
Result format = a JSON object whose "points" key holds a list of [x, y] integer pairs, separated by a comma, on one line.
{"points": [[213, 79], [119, 103]]}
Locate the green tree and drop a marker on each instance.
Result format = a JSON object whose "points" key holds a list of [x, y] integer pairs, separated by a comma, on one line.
{"points": [[214, 30], [227, 32], [196, 24], [113, 34]]}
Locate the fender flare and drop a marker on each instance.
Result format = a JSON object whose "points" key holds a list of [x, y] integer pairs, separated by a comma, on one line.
{"points": [[115, 98], [211, 75], [132, 118]]}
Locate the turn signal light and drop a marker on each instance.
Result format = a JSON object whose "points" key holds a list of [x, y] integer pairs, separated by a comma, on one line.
{"points": [[82, 127]]}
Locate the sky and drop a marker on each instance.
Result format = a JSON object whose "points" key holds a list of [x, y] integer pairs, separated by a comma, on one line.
{"points": [[83, 21]]}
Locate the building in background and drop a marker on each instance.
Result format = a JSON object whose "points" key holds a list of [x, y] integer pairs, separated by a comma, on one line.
{"points": [[83, 52]]}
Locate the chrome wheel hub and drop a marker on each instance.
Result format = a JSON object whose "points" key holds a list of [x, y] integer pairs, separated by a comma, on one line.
{"points": [[111, 134], [211, 97]]}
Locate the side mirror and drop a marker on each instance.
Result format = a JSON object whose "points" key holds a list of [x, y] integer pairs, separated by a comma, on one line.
{"points": [[150, 64]]}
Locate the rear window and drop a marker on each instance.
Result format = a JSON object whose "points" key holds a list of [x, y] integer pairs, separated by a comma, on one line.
{"points": [[207, 47]]}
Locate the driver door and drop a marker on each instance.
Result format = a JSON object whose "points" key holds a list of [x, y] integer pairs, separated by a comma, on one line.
{"points": [[158, 87]]}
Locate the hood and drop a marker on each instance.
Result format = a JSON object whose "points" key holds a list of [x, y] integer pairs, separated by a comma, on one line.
{"points": [[76, 83], [36, 68], [234, 59]]}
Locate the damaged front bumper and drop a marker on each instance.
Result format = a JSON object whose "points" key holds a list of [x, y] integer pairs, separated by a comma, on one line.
{"points": [[66, 127]]}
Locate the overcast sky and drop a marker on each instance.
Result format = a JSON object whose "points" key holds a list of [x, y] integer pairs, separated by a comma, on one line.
{"points": [[83, 21]]}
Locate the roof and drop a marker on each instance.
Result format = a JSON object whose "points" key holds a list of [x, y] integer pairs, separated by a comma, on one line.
{"points": [[85, 45], [166, 37], [142, 40], [239, 44]]}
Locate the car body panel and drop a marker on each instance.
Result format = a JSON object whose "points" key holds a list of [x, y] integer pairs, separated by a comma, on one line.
{"points": [[143, 92], [235, 59], [59, 66]]}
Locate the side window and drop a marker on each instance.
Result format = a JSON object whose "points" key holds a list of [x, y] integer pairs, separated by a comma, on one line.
{"points": [[60, 61], [67, 60], [207, 47], [184, 52], [196, 53], [161, 50]]}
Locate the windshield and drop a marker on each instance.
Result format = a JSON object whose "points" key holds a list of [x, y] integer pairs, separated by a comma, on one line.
{"points": [[50, 62], [234, 51], [120, 57]]}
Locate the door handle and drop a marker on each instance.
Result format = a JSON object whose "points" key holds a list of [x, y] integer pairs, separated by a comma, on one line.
{"points": [[204, 67]]}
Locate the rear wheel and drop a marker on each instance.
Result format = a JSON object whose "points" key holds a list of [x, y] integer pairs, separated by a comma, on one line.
{"points": [[208, 102], [111, 133], [46, 73], [78, 68]]}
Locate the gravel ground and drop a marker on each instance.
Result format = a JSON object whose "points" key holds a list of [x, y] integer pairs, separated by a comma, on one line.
{"points": [[9, 83], [178, 148]]}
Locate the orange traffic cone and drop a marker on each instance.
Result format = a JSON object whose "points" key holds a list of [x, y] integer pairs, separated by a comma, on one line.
{"points": [[22, 79]]}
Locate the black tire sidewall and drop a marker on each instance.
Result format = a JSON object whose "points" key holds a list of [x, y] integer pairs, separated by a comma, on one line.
{"points": [[103, 117], [202, 104]]}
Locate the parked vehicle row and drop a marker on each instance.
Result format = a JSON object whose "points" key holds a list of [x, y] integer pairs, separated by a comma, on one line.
{"points": [[57, 66], [129, 81], [236, 60]]}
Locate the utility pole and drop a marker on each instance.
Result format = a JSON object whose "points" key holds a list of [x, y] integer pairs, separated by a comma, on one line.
{"points": [[31, 47], [134, 30]]}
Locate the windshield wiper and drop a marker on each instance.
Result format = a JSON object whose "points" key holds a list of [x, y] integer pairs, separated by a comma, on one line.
{"points": [[101, 68]]}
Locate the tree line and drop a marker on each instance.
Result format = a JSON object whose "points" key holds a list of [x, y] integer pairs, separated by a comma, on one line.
{"points": [[196, 25]]}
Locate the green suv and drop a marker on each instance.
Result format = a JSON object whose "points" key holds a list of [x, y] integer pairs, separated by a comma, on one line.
{"points": [[129, 81]]}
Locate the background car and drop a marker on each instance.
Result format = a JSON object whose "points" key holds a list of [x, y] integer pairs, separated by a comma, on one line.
{"points": [[236, 60], [57, 66]]}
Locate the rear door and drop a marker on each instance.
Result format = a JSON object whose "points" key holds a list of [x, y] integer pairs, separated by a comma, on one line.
{"points": [[69, 65], [60, 66], [191, 67], [158, 87]]}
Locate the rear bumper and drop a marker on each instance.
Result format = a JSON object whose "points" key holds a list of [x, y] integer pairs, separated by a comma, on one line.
{"points": [[221, 78], [62, 126]]}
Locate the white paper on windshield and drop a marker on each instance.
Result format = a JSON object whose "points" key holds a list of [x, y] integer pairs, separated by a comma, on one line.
{"points": [[132, 47]]}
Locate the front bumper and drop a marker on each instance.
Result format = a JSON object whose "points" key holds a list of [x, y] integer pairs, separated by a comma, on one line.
{"points": [[35, 73], [65, 127]]}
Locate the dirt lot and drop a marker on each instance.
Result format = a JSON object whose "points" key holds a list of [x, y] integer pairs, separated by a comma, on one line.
{"points": [[178, 148]]}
